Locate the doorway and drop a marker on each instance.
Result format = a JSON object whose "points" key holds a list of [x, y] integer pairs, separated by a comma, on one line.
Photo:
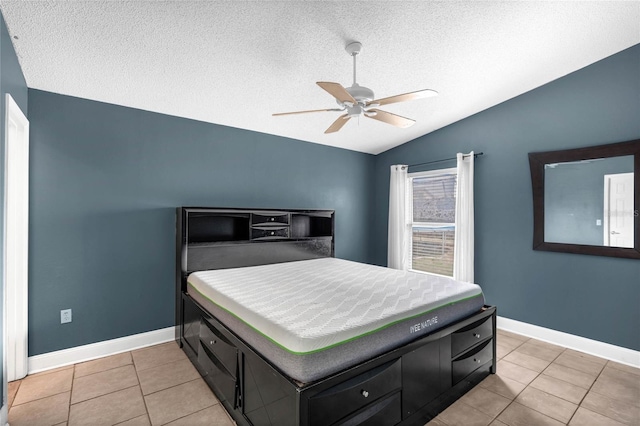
{"points": [[16, 238], [618, 210]]}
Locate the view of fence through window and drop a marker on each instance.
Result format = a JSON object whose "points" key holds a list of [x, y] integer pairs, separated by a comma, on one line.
{"points": [[434, 227]]}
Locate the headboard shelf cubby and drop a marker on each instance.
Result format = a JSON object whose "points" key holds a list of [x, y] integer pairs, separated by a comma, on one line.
{"points": [[210, 237]]}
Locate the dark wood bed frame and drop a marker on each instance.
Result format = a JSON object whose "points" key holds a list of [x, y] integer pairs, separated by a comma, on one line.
{"points": [[406, 386]]}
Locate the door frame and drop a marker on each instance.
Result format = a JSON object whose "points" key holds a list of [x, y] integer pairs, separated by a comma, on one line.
{"points": [[607, 206], [15, 243]]}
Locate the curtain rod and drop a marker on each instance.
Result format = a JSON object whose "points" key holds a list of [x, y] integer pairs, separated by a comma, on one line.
{"points": [[446, 159]]}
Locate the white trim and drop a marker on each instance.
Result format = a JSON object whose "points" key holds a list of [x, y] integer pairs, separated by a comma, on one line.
{"points": [[417, 271], [15, 242], [582, 344], [435, 172], [83, 353], [4, 415], [607, 207], [124, 344], [605, 225]]}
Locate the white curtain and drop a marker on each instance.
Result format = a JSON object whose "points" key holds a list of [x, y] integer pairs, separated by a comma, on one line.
{"points": [[463, 253], [398, 250]]}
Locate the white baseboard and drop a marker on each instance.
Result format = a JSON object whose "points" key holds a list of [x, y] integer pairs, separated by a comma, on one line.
{"points": [[83, 353], [4, 415], [582, 344]]}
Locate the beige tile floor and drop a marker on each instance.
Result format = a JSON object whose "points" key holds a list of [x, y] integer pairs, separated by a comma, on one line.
{"points": [[537, 384]]}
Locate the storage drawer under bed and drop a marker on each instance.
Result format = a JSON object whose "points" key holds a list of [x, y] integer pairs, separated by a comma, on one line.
{"points": [[471, 335], [218, 376], [220, 346], [218, 357], [384, 412], [340, 401], [469, 362]]}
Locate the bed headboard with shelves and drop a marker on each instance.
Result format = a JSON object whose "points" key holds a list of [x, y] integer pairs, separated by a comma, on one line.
{"points": [[221, 238]]}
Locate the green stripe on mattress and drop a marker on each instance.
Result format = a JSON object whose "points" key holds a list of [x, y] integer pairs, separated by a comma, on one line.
{"points": [[334, 344]]}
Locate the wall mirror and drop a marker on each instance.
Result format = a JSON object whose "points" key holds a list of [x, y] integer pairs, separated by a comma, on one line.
{"points": [[587, 200]]}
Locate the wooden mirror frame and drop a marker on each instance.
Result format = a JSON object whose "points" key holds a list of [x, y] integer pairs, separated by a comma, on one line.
{"points": [[537, 160]]}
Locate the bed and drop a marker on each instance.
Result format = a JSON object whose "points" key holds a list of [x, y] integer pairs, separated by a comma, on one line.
{"points": [[286, 334]]}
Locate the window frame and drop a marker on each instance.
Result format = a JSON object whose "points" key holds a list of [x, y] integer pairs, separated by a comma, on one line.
{"points": [[411, 223]]}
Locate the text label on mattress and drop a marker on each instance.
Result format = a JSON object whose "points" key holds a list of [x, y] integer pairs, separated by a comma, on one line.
{"points": [[424, 324]]}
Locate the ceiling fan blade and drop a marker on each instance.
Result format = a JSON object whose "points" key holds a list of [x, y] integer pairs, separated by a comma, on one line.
{"points": [[337, 125], [337, 91], [393, 119], [304, 112], [420, 94]]}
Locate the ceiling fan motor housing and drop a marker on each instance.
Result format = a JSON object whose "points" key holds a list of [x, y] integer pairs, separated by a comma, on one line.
{"points": [[360, 93]]}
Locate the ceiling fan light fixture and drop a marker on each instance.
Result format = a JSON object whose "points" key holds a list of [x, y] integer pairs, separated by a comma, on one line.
{"points": [[355, 111]]}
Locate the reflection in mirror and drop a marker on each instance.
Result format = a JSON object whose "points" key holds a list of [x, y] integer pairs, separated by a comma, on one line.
{"points": [[590, 202], [587, 200]]}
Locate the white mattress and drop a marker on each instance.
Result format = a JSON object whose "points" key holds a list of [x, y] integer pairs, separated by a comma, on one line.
{"points": [[312, 305]]}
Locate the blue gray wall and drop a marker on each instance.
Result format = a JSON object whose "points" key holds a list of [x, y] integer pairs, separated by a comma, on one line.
{"points": [[12, 82], [594, 297], [105, 182]]}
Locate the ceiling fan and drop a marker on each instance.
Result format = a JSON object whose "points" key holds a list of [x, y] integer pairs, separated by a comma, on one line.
{"points": [[359, 100]]}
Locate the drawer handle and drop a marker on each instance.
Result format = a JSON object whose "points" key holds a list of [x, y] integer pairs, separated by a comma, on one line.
{"points": [[272, 219], [476, 335], [476, 360], [272, 233], [364, 393], [213, 342]]}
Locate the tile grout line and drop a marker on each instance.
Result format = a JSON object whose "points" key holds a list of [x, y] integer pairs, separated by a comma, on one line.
{"points": [[50, 371], [102, 371], [40, 399], [174, 386], [13, 404], [587, 393], [104, 394], [159, 365], [513, 401], [124, 421], [579, 404], [489, 390], [109, 393], [170, 387], [144, 400], [73, 379], [14, 396], [137, 385], [190, 414]]}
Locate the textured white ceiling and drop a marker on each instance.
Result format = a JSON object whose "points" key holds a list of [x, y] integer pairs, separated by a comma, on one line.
{"points": [[236, 62]]}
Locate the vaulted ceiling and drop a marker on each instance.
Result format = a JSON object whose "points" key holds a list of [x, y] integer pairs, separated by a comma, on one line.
{"points": [[236, 62]]}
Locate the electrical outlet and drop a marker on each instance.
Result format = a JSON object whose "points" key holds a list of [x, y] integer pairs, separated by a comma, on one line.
{"points": [[65, 316]]}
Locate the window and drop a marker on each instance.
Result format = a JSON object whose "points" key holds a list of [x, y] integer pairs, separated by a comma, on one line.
{"points": [[433, 225]]}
